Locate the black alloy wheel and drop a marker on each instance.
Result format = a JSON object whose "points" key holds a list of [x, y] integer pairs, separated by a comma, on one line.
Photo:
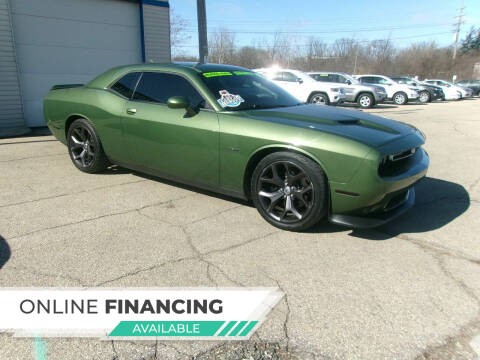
{"points": [[289, 190], [84, 147]]}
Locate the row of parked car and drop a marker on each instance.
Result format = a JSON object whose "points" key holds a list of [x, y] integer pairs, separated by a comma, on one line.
{"points": [[331, 88]]}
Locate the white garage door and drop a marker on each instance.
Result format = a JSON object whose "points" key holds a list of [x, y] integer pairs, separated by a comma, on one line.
{"points": [[70, 41]]}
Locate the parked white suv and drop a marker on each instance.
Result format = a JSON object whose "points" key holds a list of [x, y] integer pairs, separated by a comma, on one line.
{"points": [[400, 94], [303, 87], [366, 96], [464, 92]]}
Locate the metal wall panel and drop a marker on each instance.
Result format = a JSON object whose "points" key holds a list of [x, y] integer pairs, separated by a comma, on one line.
{"points": [[156, 31], [11, 113], [70, 41]]}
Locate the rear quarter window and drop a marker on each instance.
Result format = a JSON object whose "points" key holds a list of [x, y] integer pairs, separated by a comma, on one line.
{"points": [[126, 85]]}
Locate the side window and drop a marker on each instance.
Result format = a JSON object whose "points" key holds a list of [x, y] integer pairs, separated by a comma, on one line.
{"points": [[288, 76], [277, 76], [334, 78], [159, 87], [126, 85], [321, 77]]}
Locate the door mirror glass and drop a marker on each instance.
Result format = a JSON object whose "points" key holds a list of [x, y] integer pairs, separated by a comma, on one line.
{"points": [[300, 80]]}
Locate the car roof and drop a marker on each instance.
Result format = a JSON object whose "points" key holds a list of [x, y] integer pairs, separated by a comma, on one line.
{"points": [[328, 72], [187, 68]]}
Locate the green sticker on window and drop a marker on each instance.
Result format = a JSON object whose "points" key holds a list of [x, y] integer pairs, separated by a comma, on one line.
{"points": [[217, 73], [244, 73]]}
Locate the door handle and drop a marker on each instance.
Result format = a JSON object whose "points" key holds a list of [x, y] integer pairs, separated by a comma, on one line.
{"points": [[131, 111]]}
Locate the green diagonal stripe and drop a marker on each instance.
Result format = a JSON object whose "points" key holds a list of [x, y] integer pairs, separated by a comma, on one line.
{"points": [[248, 328], [166, 328], [237, 328], [227, 328]]}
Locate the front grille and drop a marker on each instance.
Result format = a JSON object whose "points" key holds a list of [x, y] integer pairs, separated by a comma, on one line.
{"points": [[396, 164]]}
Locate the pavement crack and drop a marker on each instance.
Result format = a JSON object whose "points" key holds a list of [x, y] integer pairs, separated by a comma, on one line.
{"points": [[287, 314], [115, 353], [32, 157], [139, 271], [466, 332], [69, 194], [88, 220], [228, 248], [46, 274], [213, 215]]}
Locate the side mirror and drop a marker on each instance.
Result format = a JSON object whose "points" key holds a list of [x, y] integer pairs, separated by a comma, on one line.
{"points": [[178, 102], [181, 102], [300, 81], [348, 82]]}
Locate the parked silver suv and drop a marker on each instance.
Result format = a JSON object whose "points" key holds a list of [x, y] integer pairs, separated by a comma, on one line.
{"points": [[365, 96]]}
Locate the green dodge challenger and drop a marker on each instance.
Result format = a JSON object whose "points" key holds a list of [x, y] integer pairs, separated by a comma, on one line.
{"points": [[227, 129]]}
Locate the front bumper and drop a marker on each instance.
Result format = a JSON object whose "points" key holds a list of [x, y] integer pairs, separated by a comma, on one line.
{"points": [[374, 196], [378, 218]]}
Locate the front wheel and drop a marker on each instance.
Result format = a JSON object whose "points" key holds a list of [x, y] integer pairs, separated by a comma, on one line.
{"points": [[289, 190], [319, 99], [84, 147], [365, 101], [400, 98], [424, 97]]}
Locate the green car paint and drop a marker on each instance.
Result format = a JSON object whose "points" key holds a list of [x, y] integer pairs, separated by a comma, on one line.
{"points": [[217, 148]]}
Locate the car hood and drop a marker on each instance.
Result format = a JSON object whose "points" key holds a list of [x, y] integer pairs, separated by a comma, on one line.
{"points": [[371, 130]]}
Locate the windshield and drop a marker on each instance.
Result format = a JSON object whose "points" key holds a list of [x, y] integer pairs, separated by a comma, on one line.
{"points": [[243, 90]]}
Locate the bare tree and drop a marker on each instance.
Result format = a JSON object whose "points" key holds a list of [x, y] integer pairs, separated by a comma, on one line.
{"points": [[179, 35], [221, 46]]}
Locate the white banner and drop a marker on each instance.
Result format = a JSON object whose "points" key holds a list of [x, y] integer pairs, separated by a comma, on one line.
{"points": [[184, 313]]}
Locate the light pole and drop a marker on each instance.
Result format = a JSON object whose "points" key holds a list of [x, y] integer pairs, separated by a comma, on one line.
{"points": [[202, 31]]}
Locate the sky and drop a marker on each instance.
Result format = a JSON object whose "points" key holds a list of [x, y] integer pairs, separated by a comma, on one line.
{"points": [[404, 22]]}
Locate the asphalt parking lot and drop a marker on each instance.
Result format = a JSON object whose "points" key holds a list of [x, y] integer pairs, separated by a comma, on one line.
{"points": [[410, 289]]}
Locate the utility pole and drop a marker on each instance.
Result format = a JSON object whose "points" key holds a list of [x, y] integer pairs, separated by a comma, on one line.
{"points": [[202, 31], [459, 22]]}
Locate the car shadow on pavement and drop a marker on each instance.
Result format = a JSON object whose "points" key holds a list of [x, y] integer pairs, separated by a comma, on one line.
{"points": [[4, 251], [438, 202]]}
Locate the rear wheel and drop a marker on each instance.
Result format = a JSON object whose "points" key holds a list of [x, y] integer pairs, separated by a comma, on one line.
{"points": [[365, 100], [289, 190], [400, 98], [85, 148], [319, 99], [424, 96]]}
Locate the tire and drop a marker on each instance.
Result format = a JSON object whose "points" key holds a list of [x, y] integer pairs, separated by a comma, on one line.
{"points": [[319, 99], [400, 98], [365, 100], [85, 148], [424, 97], [289, 190]]}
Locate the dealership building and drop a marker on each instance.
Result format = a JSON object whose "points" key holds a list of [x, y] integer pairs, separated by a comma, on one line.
{"points": [[48, 42]]}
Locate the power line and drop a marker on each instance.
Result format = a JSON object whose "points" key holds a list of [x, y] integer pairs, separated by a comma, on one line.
{"points": [[327, 31], [356, 41]]}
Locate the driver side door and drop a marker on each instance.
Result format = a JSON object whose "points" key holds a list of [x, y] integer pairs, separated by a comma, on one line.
{"points": [[166, 140]]}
